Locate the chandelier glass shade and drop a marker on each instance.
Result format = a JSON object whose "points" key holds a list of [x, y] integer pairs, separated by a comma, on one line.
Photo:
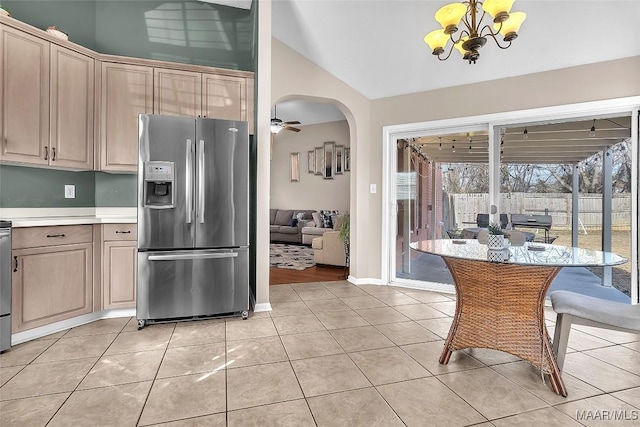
{"points": [[475, 30]]}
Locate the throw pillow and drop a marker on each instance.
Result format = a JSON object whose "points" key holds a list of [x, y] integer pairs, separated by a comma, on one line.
{"points": [[300, 216], [327, 218], [317, 219], [283, 217], [292, 222]]}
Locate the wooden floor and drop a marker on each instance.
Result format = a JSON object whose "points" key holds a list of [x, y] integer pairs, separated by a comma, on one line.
{"points": [[280, 276]]}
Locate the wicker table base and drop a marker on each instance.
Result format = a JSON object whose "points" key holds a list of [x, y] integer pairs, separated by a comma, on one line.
{"points": [[501, 307]]}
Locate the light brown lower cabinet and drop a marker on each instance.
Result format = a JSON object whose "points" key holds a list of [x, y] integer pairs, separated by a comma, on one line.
{"points": [[119, 266], [51, 284]]}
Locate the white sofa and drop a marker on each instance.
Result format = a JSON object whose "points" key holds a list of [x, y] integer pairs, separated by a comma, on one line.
{"points": [[329, 249]]}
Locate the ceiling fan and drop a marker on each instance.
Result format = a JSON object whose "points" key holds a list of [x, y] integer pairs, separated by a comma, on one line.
{"points": [[277, 125]]}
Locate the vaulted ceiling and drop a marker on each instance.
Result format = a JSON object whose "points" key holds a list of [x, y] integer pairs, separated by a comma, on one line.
{"points": [[377, 48]]}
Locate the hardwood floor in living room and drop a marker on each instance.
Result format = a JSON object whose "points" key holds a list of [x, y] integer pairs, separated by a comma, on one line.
{"points": [[318, 273]]}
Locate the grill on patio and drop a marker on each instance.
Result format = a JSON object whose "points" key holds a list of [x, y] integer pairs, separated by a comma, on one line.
{"points": [[542, 222]]}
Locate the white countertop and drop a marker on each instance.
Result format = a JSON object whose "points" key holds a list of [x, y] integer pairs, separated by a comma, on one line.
{"points": [[40, 217]]}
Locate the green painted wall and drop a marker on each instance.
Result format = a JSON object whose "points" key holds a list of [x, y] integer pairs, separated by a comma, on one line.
{"points": [[24, 187], [116, 190], [190, 32], [76, 18]]}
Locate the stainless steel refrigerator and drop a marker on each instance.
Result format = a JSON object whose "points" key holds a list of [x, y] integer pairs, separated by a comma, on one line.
{"points": [[193, 218]]}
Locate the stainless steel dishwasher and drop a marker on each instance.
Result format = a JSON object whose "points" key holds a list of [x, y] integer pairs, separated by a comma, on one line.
{"points": [[5, 285]]}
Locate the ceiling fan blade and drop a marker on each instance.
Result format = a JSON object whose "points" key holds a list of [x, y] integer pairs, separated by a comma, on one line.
{"points": [[294, 122], [286, 127]]}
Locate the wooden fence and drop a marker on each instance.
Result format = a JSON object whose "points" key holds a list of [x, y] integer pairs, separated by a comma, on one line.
{"points": [[465, 207]]}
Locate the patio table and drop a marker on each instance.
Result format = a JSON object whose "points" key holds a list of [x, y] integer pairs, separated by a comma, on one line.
{"points": [[500, 305]]}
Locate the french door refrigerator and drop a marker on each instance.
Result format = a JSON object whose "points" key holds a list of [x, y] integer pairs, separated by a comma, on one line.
{"points": [[193, 218]]}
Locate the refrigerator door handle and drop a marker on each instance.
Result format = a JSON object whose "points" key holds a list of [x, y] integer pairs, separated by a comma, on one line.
{"points": [[201, 181], [189, 181], [176, 257]]}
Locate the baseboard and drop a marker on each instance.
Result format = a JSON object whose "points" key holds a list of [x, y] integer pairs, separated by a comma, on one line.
{"points": [[62, 325], [428, 286], [364, 281], [265, 306]]}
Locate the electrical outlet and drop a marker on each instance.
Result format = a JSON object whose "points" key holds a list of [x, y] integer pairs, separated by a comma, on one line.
{"points": [[372, 188], [69, 191]]}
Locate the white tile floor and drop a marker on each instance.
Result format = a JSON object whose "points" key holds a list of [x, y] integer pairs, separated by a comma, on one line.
{"points": [[330, 354]]}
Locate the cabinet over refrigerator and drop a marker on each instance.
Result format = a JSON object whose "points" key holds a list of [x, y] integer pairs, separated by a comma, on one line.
{"points": [[193, 218]]}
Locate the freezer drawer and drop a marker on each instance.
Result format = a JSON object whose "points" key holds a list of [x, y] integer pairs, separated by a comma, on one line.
{"points": [[183, 284]]}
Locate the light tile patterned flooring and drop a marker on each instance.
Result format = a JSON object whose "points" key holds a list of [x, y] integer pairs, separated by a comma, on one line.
{"points": [[329, 354]]}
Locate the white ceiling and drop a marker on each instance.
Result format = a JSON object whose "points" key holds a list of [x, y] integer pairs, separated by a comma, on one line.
{"points": [[377, 48], [307, 113]]}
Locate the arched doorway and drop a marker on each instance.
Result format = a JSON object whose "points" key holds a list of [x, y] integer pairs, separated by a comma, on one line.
{"points": [[310, 185]]}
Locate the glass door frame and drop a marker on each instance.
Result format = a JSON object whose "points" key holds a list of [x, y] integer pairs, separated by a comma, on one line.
{"points": [[570, 112]]}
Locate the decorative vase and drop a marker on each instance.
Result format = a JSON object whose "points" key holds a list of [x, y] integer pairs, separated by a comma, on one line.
{"points": [[500, 255], [495, 242]]}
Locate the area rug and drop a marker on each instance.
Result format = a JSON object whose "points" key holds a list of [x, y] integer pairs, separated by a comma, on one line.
{"points": [[292, 257]]}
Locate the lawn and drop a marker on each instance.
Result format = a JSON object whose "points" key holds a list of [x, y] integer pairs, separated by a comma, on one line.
{"points": [[620, 244]]}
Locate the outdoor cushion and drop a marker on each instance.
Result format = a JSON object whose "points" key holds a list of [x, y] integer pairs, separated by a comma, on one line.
{"points": [[595, 309], [283, 217]]}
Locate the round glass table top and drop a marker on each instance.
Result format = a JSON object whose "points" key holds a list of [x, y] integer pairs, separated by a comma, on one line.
{"points": [[529, 254]]}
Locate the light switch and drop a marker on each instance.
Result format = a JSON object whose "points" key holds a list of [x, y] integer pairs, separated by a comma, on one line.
{"points": [[69, 191], [372, 188]]}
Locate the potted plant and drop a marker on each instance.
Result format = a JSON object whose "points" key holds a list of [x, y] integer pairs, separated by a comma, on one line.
{"points": [[495, 239], [344, 235]]}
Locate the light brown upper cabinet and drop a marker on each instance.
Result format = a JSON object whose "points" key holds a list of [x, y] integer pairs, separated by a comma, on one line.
{"points": [[48, 103], [127, 90], [177, 93], [224, 97], [64, 105], [24, 74], [72, 109]]}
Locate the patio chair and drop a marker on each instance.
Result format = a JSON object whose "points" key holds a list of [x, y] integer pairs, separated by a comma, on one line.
{"points": [[482, 220], [504, 221], [589, 311]]}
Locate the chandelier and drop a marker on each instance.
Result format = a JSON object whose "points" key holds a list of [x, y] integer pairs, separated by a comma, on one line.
{"points": [[474, 34]]}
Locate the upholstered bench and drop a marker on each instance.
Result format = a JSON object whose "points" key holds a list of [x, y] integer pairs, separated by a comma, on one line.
{"points": [[589, 311]]}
